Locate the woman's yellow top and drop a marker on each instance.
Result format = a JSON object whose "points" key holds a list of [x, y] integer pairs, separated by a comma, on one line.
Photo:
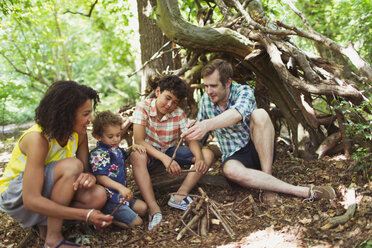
{"points": [[17, 162]]}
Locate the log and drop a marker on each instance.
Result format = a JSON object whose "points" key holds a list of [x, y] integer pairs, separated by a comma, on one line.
{"points": [[163, 180]]}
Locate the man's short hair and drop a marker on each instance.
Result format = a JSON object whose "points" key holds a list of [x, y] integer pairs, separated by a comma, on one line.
{"points": [[104, 119], [175, 85], [222, 66]]}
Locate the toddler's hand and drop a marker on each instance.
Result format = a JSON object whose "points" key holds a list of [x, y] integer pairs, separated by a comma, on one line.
{"points": [[126, 193], [139, 148]]}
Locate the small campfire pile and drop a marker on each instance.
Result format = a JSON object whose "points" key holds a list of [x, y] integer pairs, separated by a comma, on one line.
{"points": [[202, 212]]}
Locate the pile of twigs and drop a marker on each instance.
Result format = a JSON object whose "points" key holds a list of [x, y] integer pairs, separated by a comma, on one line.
{"points": [[202, 212]]}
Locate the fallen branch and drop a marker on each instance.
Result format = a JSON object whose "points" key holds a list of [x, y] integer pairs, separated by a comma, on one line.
{"points": [[192, 223], [254, 205], [227, 227], [350, 199]]}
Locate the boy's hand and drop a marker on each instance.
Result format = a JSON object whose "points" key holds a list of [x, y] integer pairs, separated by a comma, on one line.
{"points": [[201, 166], [126, 193], [174, 169], [138, 148]]}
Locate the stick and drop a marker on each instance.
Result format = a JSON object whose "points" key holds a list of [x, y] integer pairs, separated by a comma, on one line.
{"points": [[175, 151], [204, 226], [238, 204], [228, 229], [255, 208], [117, 208], [193, 222], [178, 146]]}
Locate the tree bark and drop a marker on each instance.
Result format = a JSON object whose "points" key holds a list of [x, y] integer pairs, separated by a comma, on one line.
{"points": [[151, 39]]}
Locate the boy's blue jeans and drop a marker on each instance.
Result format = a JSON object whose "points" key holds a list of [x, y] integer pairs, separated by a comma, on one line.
{"points": [[183, 156]]}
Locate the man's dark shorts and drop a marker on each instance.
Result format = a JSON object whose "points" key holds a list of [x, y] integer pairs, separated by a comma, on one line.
{"points": [[248, 157]]}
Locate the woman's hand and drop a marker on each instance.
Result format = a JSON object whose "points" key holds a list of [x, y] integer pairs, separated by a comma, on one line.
{"points": [[99, 219], [85, 180]]}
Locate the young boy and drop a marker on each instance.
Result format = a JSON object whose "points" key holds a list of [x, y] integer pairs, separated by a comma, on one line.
{"points": [[108, 165], [158, 124]]}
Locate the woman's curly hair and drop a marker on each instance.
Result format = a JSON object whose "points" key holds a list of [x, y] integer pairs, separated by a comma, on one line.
{"points": [[56, 112], [104, 119]]}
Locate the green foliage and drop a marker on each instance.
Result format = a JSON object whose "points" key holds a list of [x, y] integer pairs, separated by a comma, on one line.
{"points": [[42, 41], [12, 102], [192, 12], [358, 127], [365, 244], [343, 21]]}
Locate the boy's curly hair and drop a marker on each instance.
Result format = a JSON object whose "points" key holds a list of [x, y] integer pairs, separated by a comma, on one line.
{"points": [[175, 85], [56, 112], [104, 119]]}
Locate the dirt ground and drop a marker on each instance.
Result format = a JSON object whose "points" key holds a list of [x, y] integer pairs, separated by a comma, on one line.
{"points": [[289, 222]]}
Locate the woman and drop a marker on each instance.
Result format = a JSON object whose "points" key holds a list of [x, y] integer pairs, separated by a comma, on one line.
{"points": [[48, 179]]}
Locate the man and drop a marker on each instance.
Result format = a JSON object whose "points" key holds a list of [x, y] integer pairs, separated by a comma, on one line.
{"points": [[245, 135]]}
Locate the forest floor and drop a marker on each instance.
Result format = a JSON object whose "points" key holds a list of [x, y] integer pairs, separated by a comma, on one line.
{"points": [[288, 223]]}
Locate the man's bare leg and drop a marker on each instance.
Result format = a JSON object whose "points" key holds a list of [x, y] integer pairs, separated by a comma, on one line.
{"points": [[251, 178], [263, 134]]}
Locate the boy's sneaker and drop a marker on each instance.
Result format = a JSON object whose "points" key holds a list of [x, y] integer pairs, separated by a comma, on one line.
{"points": [[318, 192], [180, 204]]}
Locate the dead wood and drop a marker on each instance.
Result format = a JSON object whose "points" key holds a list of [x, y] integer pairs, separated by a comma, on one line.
{"points": [[200, 209], [349, 51], [162, 180], [204, 226], [192, 223], [28, 239], [217, 213], [350, 199], [254, 205], [329, 143]]}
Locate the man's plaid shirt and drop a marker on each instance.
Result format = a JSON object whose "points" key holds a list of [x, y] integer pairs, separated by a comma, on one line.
{"points": [[161, 134], [234, 137]]}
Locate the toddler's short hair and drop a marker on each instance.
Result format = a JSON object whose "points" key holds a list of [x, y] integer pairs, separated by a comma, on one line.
{"points": [[103, 119]]}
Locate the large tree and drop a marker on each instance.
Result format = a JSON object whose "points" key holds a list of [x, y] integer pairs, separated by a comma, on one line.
{"points": [[283, 74], [153, 42]]}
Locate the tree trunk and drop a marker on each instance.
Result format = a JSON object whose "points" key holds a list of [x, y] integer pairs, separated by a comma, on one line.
{"points": [[151, 39]]}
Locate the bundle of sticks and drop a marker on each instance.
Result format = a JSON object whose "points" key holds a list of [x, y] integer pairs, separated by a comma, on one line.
{"points": [[201, 213]]}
